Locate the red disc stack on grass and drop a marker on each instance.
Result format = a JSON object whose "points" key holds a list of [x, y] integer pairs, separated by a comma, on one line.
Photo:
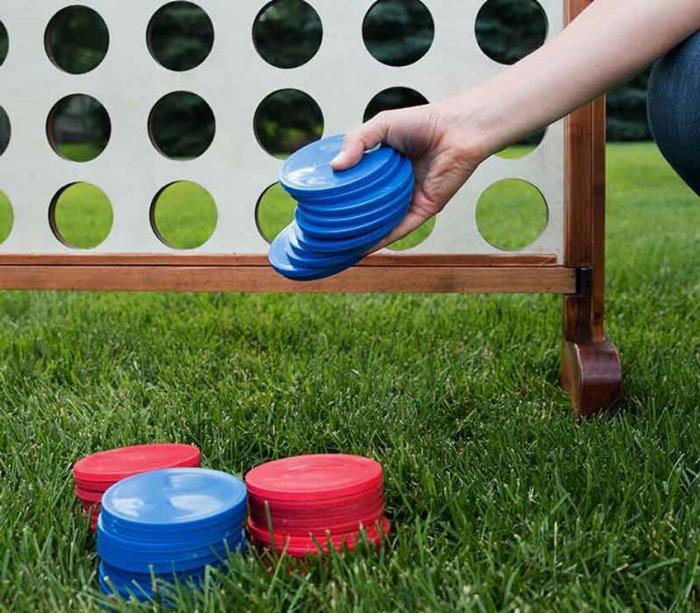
{"points": [[302, 505], [97, 472]]}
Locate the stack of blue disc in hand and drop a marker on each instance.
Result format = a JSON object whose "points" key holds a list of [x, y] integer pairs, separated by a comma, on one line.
{"points": [[169, 525], [340, 215]]}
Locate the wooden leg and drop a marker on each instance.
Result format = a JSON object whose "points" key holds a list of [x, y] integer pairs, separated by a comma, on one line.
{"points": [[592, 374], [591, 370]]}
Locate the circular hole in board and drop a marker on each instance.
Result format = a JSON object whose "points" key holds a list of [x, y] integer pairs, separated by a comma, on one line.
{"points": [[5, 131], [511, 214], [4, 43], [76, 39], [184, 215], [287, 33], [181, 125], [6, 217], [81, 215], [509, 30], [398, 32], [415, 238], [180, 36], [274, 211], [78, 128], [286, 120], [392, 99]]}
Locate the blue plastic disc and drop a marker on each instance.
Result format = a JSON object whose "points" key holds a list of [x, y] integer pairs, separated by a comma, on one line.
{"points": [[138, 590], [361, 225], [169, 543], [114, 581], [170, 502], [310, 259], [308, 171], [362, 243], [177, 561], [281, 262], [168, 549], [358, 191], [387, 189], [123, 577]]}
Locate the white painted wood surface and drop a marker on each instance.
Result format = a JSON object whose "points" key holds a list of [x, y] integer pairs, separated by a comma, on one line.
{"points": [[342, 77]]}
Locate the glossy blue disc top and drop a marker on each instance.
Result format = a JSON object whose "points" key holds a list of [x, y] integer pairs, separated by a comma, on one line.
{"points": [[175, 497], [309, 171]]}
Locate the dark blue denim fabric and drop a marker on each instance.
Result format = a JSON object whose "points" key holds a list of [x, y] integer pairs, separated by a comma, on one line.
{"points": [[674, 109]]}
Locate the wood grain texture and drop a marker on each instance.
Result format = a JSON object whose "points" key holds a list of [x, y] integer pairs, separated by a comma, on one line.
{"points": [[383, 261], [591, 369], [592, 374], [584, 243], [554, 279]]}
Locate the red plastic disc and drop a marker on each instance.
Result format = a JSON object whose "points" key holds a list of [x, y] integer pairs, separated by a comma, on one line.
{"points": [[321, 527], [320, 507], [100, 470], [301, 546], [314, 478], [346, 506], [330, 519], [93, 490], [88, 496]]}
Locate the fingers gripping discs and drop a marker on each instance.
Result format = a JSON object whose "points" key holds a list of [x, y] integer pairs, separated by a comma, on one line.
{"points": [[340, 215], [308, 504]]}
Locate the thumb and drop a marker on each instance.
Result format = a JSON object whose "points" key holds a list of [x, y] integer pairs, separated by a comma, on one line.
{"points": [[368, 135]]}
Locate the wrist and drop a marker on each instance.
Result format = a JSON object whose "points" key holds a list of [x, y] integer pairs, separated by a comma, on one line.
{"points": [[464, 128]]}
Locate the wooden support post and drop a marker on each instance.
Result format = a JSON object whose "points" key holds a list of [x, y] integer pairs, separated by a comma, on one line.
{"points": [[591, 369]]}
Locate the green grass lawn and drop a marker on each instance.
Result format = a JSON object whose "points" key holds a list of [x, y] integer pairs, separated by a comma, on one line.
{"points": [[499, 501]]}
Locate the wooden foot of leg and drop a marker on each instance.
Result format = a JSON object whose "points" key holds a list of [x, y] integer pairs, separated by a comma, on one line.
{"points": [[592, 374]]}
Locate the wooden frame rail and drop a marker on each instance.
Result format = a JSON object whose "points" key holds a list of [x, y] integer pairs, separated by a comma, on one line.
{"points": [[460, 274]]}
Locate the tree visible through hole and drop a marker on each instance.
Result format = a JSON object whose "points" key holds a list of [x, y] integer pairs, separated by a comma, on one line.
{"points": [[5, 131], [184, 215], [76, 39], [398, 32], [182, 125], [287, 33], [4, 43], [511, 214], [508, 30], [81, 215], [180, 36], [78, 128], [286, 120], [274, 211], [6, 217], [392, 99]]}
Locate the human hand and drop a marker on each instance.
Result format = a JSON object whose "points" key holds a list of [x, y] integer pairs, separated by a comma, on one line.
{"points": [[436, 139]]}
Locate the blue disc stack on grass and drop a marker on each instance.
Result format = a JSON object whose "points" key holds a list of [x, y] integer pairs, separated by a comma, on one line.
{"points": [[340, 215], [168, 525]]}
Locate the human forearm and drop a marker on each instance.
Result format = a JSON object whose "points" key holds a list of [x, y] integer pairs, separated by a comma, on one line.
{"points": [[609, 42], [447, 140]]}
